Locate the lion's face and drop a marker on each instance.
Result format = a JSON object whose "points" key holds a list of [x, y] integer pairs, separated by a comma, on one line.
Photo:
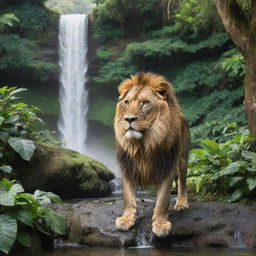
{"points": [[140, 108], [144, 110]]}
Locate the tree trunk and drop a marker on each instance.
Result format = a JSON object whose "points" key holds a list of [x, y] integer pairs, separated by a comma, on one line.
{"points": [[243, 35]]}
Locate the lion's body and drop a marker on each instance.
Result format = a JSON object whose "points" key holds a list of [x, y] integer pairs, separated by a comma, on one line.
{"points": [[152, 134]]}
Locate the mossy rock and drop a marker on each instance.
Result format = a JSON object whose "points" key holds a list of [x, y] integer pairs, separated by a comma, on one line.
{"points": [[64, 172]]}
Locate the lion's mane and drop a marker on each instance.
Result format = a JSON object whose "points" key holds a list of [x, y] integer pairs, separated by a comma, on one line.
{"points": [[153, 157]]}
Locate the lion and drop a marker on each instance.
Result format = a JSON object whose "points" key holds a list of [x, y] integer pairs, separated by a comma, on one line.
{"points": [[153, 139]]}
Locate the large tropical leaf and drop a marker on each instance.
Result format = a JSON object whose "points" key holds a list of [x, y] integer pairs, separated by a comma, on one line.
{"points": [[232, 168], [46, 197], [7, 195], [25, 148], [8, 232], [7, 199], [55, 221], [22, 214]]}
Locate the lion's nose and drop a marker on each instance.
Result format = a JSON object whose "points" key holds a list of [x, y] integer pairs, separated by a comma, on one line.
{"points": [[130, 119]]}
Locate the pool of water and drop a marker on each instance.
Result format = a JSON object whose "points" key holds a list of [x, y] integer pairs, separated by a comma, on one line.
{"points": [[89, 251]]}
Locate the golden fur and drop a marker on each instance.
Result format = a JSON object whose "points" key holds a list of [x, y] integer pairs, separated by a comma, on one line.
{"points": [[152, 141]]}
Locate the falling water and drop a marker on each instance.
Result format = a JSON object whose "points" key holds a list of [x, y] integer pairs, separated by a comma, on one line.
{"points": [[73, 68]]}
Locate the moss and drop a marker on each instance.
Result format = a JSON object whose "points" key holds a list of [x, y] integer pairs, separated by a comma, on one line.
{"points": [[64, 172]]}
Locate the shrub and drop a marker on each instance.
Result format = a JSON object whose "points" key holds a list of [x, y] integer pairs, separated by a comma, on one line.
{"points": [[225, 169], [20, 211]]}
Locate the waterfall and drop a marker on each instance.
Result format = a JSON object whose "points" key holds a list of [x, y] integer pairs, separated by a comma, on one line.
{"points": [[73, 94]]}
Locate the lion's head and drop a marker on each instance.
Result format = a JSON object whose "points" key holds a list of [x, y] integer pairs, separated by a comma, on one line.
{"points": [[147, 111]]}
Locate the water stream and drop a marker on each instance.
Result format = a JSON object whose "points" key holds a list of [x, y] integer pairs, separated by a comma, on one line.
{"points": [[73, 94]]}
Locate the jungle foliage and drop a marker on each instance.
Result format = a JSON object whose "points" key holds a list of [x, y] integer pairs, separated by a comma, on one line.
{"points": [[20, 211], [21, 25], [225, 170], [190, 48]]}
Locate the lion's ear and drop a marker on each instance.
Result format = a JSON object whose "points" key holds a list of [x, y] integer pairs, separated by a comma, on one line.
{"points": [[164, 89], [124, 88]]}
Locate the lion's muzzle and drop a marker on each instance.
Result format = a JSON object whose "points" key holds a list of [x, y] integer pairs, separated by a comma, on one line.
{"points": [[132, 131]]}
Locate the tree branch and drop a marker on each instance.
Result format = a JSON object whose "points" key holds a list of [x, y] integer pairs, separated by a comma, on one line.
{"points": [[168, 9]]}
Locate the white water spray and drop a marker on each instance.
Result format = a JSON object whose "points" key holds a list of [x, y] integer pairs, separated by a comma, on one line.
{"points": [[73, 93]]}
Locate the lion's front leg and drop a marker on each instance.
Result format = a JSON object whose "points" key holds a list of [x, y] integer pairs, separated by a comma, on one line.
{"points": [[161, 226], [127, 221]]}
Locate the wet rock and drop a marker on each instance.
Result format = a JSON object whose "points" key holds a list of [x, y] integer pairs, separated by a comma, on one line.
{"points": [[64, 172], [92, 223]]}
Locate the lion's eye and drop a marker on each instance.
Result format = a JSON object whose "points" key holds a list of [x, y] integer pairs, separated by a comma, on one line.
{"points": [[126, 102], [145, 103]]}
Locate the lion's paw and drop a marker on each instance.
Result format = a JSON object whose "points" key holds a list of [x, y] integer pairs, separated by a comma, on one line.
{"points": [[181, 206], [125, 223], [161, 228]]}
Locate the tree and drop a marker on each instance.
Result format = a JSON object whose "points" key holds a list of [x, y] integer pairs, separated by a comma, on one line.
{"points": [[239, 19]]}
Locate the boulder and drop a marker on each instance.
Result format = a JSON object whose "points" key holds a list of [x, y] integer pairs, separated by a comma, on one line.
{"points": [[92, 223], [64, 172]]}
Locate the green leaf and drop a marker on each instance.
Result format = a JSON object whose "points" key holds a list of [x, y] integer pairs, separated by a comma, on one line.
{"points": [[232, 168], [16, 188], [55, 221], [6, 168], [234, 180], [251, 183], [211, 145], [8, 192], [199, 153], [24, 147], [235, 195], [8, 232], [24, 239], [249, 155], [1, 120], [32, 205], [7, 199], [22, 215], [45, 197]]}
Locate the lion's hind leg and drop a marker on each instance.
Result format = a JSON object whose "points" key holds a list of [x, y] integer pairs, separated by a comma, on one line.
{"points": [[182, 200], [182, 164]]}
